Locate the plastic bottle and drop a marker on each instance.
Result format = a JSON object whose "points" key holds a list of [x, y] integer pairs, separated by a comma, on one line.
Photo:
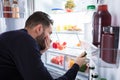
{"points": [[7, 9], [108, 53], [102, 18], [89, 19], [15, 9]]}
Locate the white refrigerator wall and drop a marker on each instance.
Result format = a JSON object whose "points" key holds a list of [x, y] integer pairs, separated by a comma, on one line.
{"points": [[113, 7]]}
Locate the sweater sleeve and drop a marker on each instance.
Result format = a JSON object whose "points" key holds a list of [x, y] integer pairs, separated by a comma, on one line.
{"points": [[70, 74]]}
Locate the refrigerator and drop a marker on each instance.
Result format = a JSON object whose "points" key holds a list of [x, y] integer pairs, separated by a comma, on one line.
{"points": [[25, 8], [81, 19]]}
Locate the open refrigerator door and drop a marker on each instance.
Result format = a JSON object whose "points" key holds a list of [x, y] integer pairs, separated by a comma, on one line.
{"points": [[14, 13]]}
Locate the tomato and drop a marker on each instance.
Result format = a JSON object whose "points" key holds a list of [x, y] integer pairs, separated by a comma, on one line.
{"points": [[56, 60], [61, 59], [69, 10], [64, 43], [60, 47], [53, 60], [58, 44], [54, 45]]}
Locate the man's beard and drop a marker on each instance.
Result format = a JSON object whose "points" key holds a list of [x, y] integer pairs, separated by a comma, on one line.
{"points": [[41, 41]]}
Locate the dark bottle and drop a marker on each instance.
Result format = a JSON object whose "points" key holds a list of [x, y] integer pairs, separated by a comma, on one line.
{"points": [[102, 18], [108, 54], [7, 9]]}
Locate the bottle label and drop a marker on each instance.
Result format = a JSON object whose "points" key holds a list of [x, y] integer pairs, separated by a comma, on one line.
{"points": [[7, 12], [99, 31], [15, 12], [108, 53]]}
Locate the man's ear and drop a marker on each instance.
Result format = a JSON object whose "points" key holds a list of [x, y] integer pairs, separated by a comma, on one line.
{"points": [[39, 29]]}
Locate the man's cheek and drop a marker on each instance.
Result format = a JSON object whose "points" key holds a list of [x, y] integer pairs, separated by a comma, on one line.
{"points": [[48, 37], [42, 44]]}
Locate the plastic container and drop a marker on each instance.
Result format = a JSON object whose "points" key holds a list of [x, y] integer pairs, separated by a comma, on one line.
{"points": [[57, 10], [55, 59], [69, 62], [105, 62], [88, 25]]}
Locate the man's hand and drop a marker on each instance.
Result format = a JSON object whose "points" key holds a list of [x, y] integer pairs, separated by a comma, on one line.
{"points": [[47, 44], [80, 60]]}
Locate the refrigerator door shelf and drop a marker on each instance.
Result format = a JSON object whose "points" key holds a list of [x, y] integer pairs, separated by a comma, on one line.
{"points": [[19, 15], [111, 60]]}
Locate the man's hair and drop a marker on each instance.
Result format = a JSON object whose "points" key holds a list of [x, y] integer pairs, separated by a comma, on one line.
{"points": [[38, 17]]}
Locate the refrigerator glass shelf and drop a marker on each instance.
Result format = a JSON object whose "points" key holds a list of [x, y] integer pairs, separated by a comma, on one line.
{"points": [[106, 60], [68, 32]]}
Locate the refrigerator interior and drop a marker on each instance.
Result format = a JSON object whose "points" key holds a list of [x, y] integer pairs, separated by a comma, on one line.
{"points": [[46, 6], [108, 73], [70, 28]]}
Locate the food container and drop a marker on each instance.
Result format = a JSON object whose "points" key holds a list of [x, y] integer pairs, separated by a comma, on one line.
{"points": [[55, 59]]}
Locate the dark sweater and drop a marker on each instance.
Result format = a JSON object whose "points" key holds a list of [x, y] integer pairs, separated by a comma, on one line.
{"points": [[20, 59]]}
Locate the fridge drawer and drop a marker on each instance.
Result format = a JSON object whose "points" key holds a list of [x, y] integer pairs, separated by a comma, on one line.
{"points": [[55, 59], [70, 60]]}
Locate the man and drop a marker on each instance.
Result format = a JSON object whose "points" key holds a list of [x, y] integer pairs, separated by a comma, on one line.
{"points": [[21, 50]]}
